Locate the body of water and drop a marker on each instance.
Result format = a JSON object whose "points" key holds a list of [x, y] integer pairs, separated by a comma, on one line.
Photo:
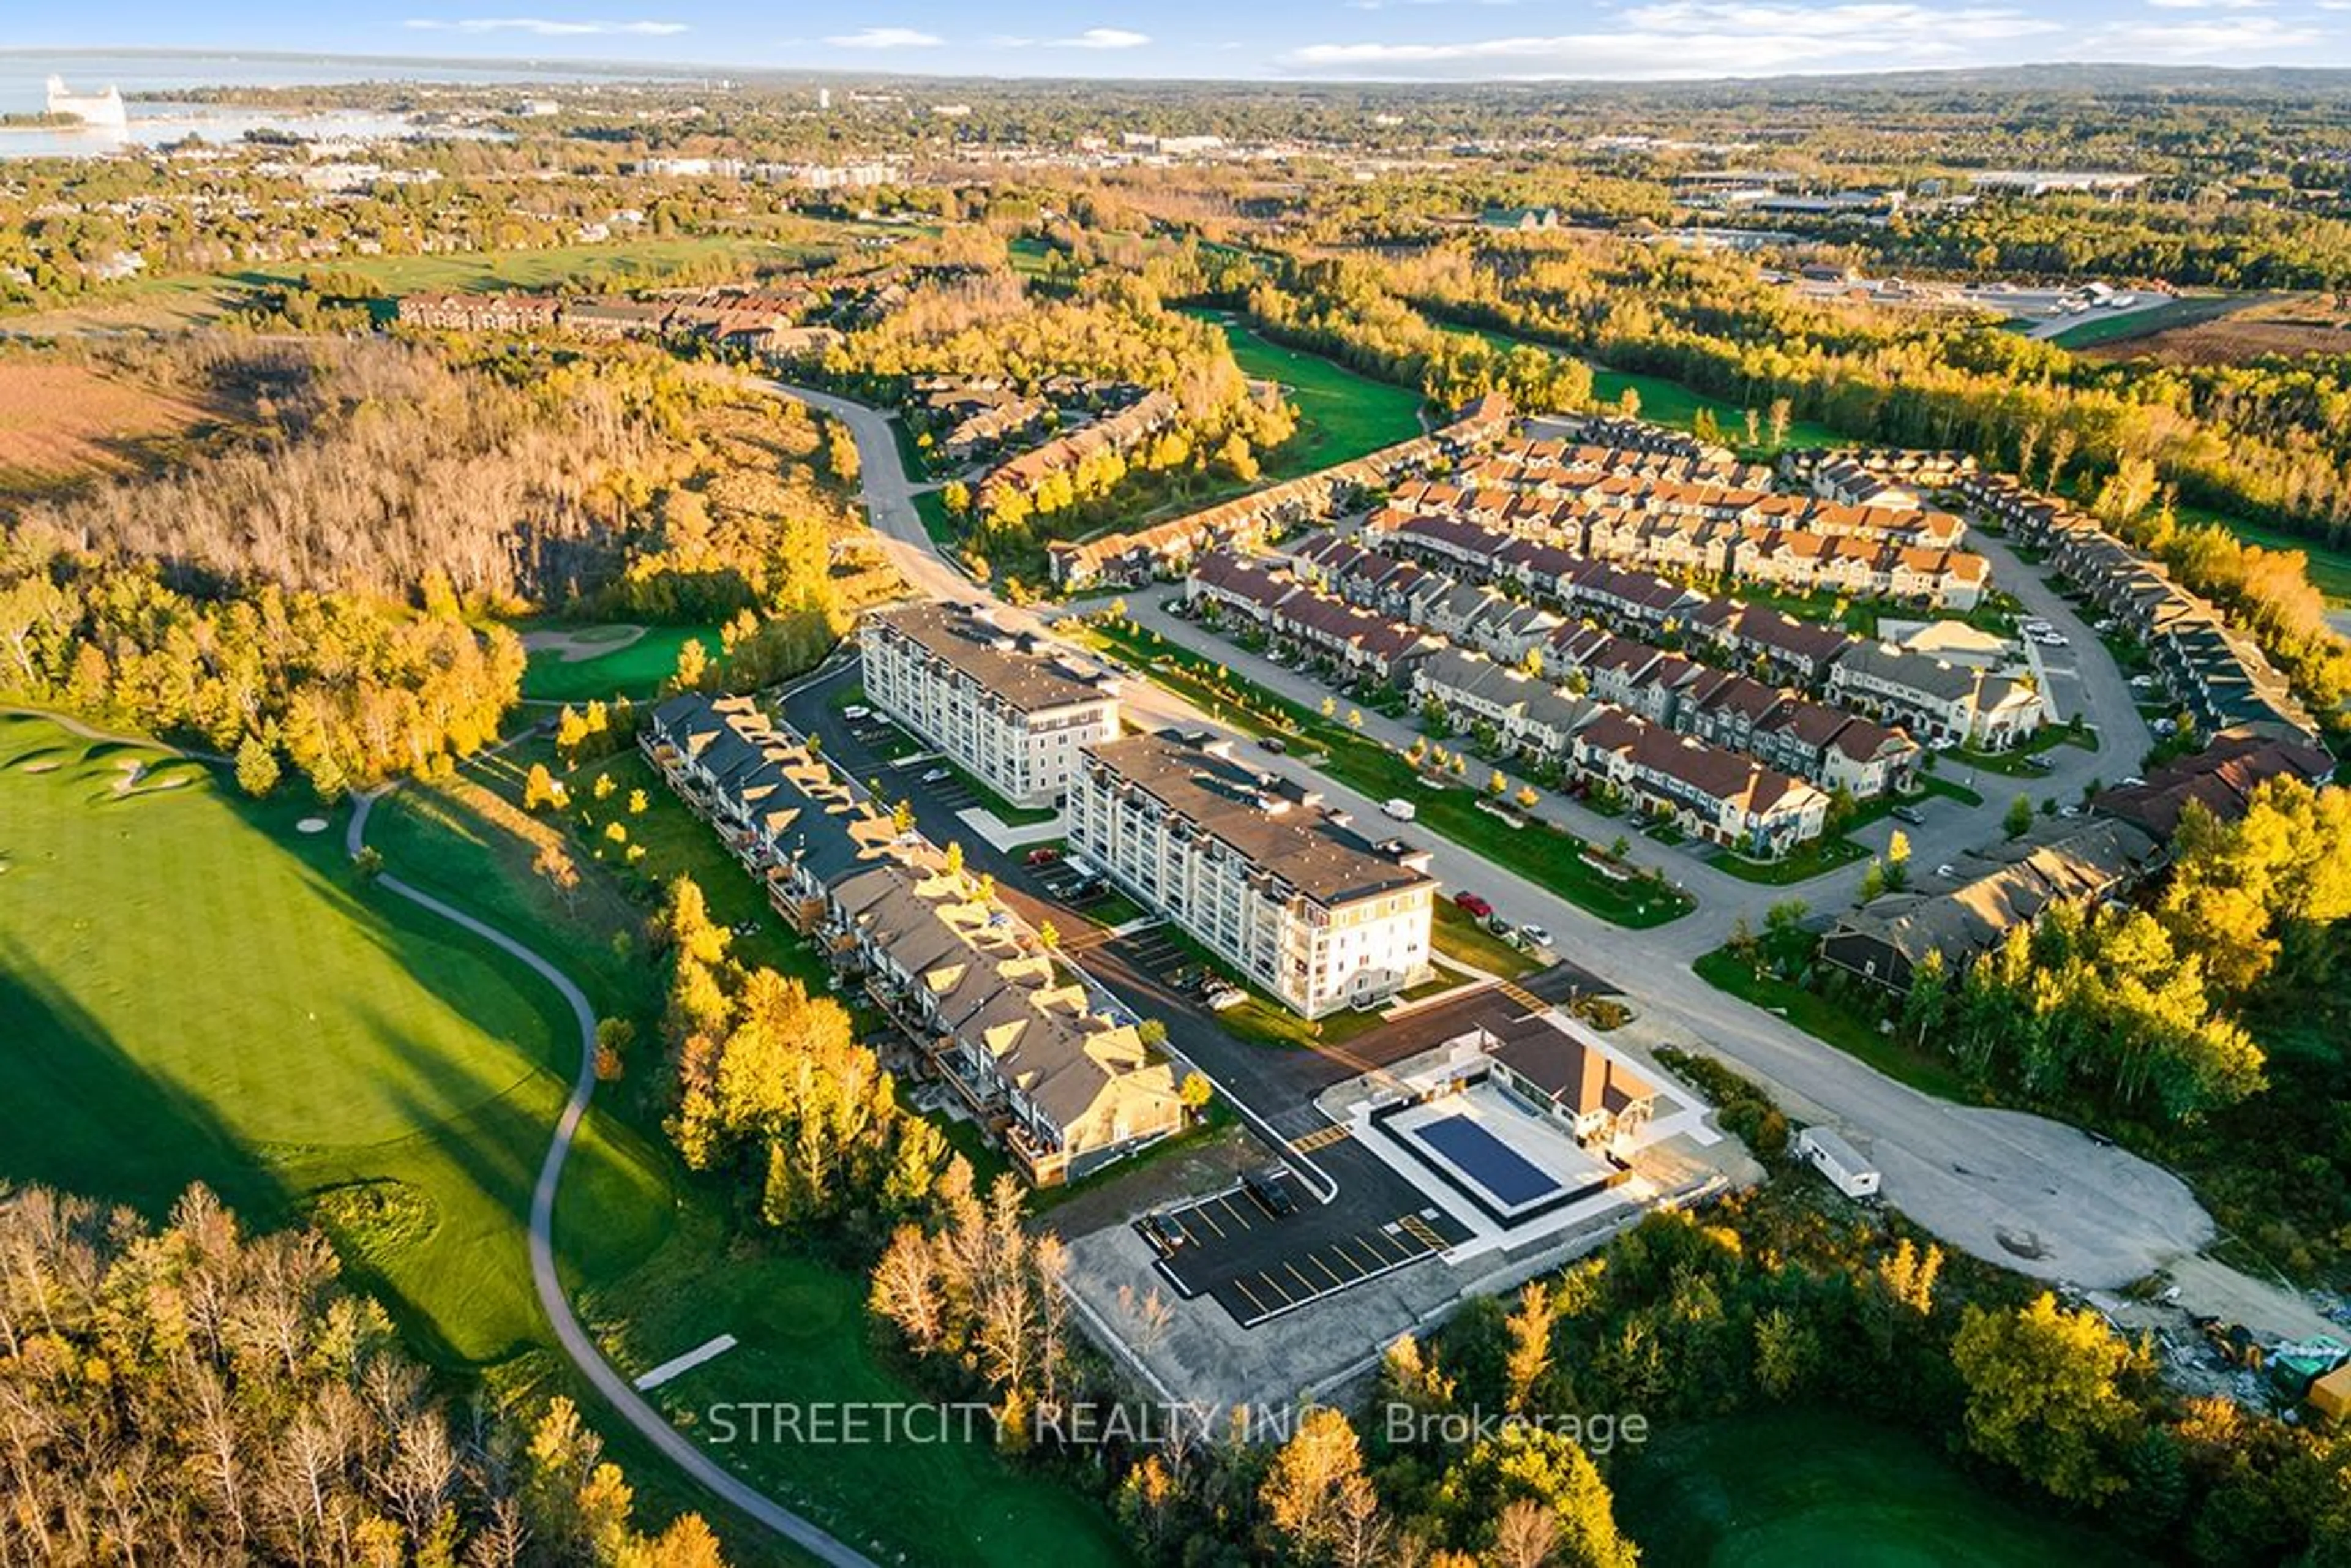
{"points": [[24, 78]]}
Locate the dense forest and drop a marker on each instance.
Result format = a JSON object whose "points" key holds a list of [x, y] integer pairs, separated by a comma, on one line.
{"points": [[188, 1393]]}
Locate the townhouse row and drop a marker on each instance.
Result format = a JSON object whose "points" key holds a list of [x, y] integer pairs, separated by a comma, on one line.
{"points": [[2214, 671], [1791, 542], [1653, 725], [1941, 702], [762, 320], [1451, 632], [1167, 549], [1119, 431], [1055, 1072]]}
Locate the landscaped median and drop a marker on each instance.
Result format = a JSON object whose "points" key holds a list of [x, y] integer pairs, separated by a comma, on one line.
{"points": [[1549, 856]]}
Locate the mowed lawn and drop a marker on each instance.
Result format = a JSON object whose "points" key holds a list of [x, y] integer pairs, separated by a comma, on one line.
{"points": [[1341, 415], [635, 666], [1831, 1489], [197, 992], [616, 265]]}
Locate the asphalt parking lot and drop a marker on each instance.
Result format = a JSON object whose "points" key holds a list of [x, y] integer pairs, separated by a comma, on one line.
{"points": [[1259, 1266]]}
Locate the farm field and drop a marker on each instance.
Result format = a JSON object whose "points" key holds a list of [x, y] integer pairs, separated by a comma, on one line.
{"points": [[2285, 325], [63, 422], [1827, 1487]]}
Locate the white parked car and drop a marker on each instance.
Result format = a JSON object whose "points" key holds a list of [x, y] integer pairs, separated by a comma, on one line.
{"points": [[856, 713], [1401, 809], [1946, 869], [936, 775]]}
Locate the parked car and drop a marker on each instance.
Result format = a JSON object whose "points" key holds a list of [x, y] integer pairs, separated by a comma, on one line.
{"points": [[1043, 855], [2131, 782], [1946, 869], [1473, 904], [2069, 810], [1274, 744], [1910, 814], [1535, 934], [1225, 997], [1272, 1188], [856, 713], [936, 775], [1163, 1234], [1401, 809]]}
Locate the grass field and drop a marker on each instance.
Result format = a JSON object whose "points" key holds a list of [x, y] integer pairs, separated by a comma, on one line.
{"points": [[1341, 415], [2133, 324], [200, 993], [635, 668], [618, 265], [2330, 565], [1829, 1489]]}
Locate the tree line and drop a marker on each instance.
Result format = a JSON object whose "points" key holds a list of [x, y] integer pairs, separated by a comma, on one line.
{"points": [[190, 1392]]}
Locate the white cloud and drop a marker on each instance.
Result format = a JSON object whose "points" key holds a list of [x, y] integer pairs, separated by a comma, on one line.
{"points": [[886, 38], [1102, 38], [545, 27], [1699, 38], [2237, 41], [2216, 5]]}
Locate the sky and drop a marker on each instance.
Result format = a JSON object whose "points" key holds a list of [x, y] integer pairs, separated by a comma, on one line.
{"points": [[1243, 39]]}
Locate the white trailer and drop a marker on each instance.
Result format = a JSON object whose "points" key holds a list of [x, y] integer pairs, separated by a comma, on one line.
{"points": [[1839, 1161]]}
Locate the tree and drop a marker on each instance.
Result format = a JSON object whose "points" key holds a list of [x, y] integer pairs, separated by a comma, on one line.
{"points": [[1779, 416], [1152, 1032], [539, 788], [1898, 860], [555, 865], [2019, 819], [1196, 1092], [2045, 1396], [1305, 1489], [1530, 1327], [257, 767], [693, 665]]}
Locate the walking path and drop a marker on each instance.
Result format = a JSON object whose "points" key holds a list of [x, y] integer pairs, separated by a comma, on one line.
{"points": [[575, 1342]]}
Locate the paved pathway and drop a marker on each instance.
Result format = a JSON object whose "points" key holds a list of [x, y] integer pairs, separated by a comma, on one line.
{"points": [[575, 1340]]}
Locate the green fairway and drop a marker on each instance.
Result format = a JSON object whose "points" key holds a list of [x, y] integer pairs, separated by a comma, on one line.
{"points": [[634, 668], [199, 992], [1828, 1489], [1667, 403], [1340, 415]]}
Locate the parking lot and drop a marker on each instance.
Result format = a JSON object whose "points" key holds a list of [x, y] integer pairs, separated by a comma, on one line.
{"points": [[1259, 1265]]}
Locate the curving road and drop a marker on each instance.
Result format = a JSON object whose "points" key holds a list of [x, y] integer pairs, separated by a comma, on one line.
{"points": [[576, 1346]]}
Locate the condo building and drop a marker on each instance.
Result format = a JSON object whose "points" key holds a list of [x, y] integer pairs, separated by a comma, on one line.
{"points": [[1005, 708], [1319, 912]]}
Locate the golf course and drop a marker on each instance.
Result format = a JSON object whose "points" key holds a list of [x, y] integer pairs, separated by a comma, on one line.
{"points": [[200, 989]]}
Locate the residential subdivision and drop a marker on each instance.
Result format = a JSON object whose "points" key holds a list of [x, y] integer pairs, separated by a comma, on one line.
{"points": [[1052, 1068], [1297, 896], [1007, 708]]}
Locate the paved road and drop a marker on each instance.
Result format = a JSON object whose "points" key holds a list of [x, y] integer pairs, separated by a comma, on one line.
{"points": [[2019, 1190], [577, 1344]]}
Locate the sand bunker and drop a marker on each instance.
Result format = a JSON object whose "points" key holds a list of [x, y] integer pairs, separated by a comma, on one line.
{"points": [[586, 643]]}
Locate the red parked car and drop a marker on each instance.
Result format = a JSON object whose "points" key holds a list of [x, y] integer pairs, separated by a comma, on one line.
{"points": [[1473, 904], [1046, 855]]}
